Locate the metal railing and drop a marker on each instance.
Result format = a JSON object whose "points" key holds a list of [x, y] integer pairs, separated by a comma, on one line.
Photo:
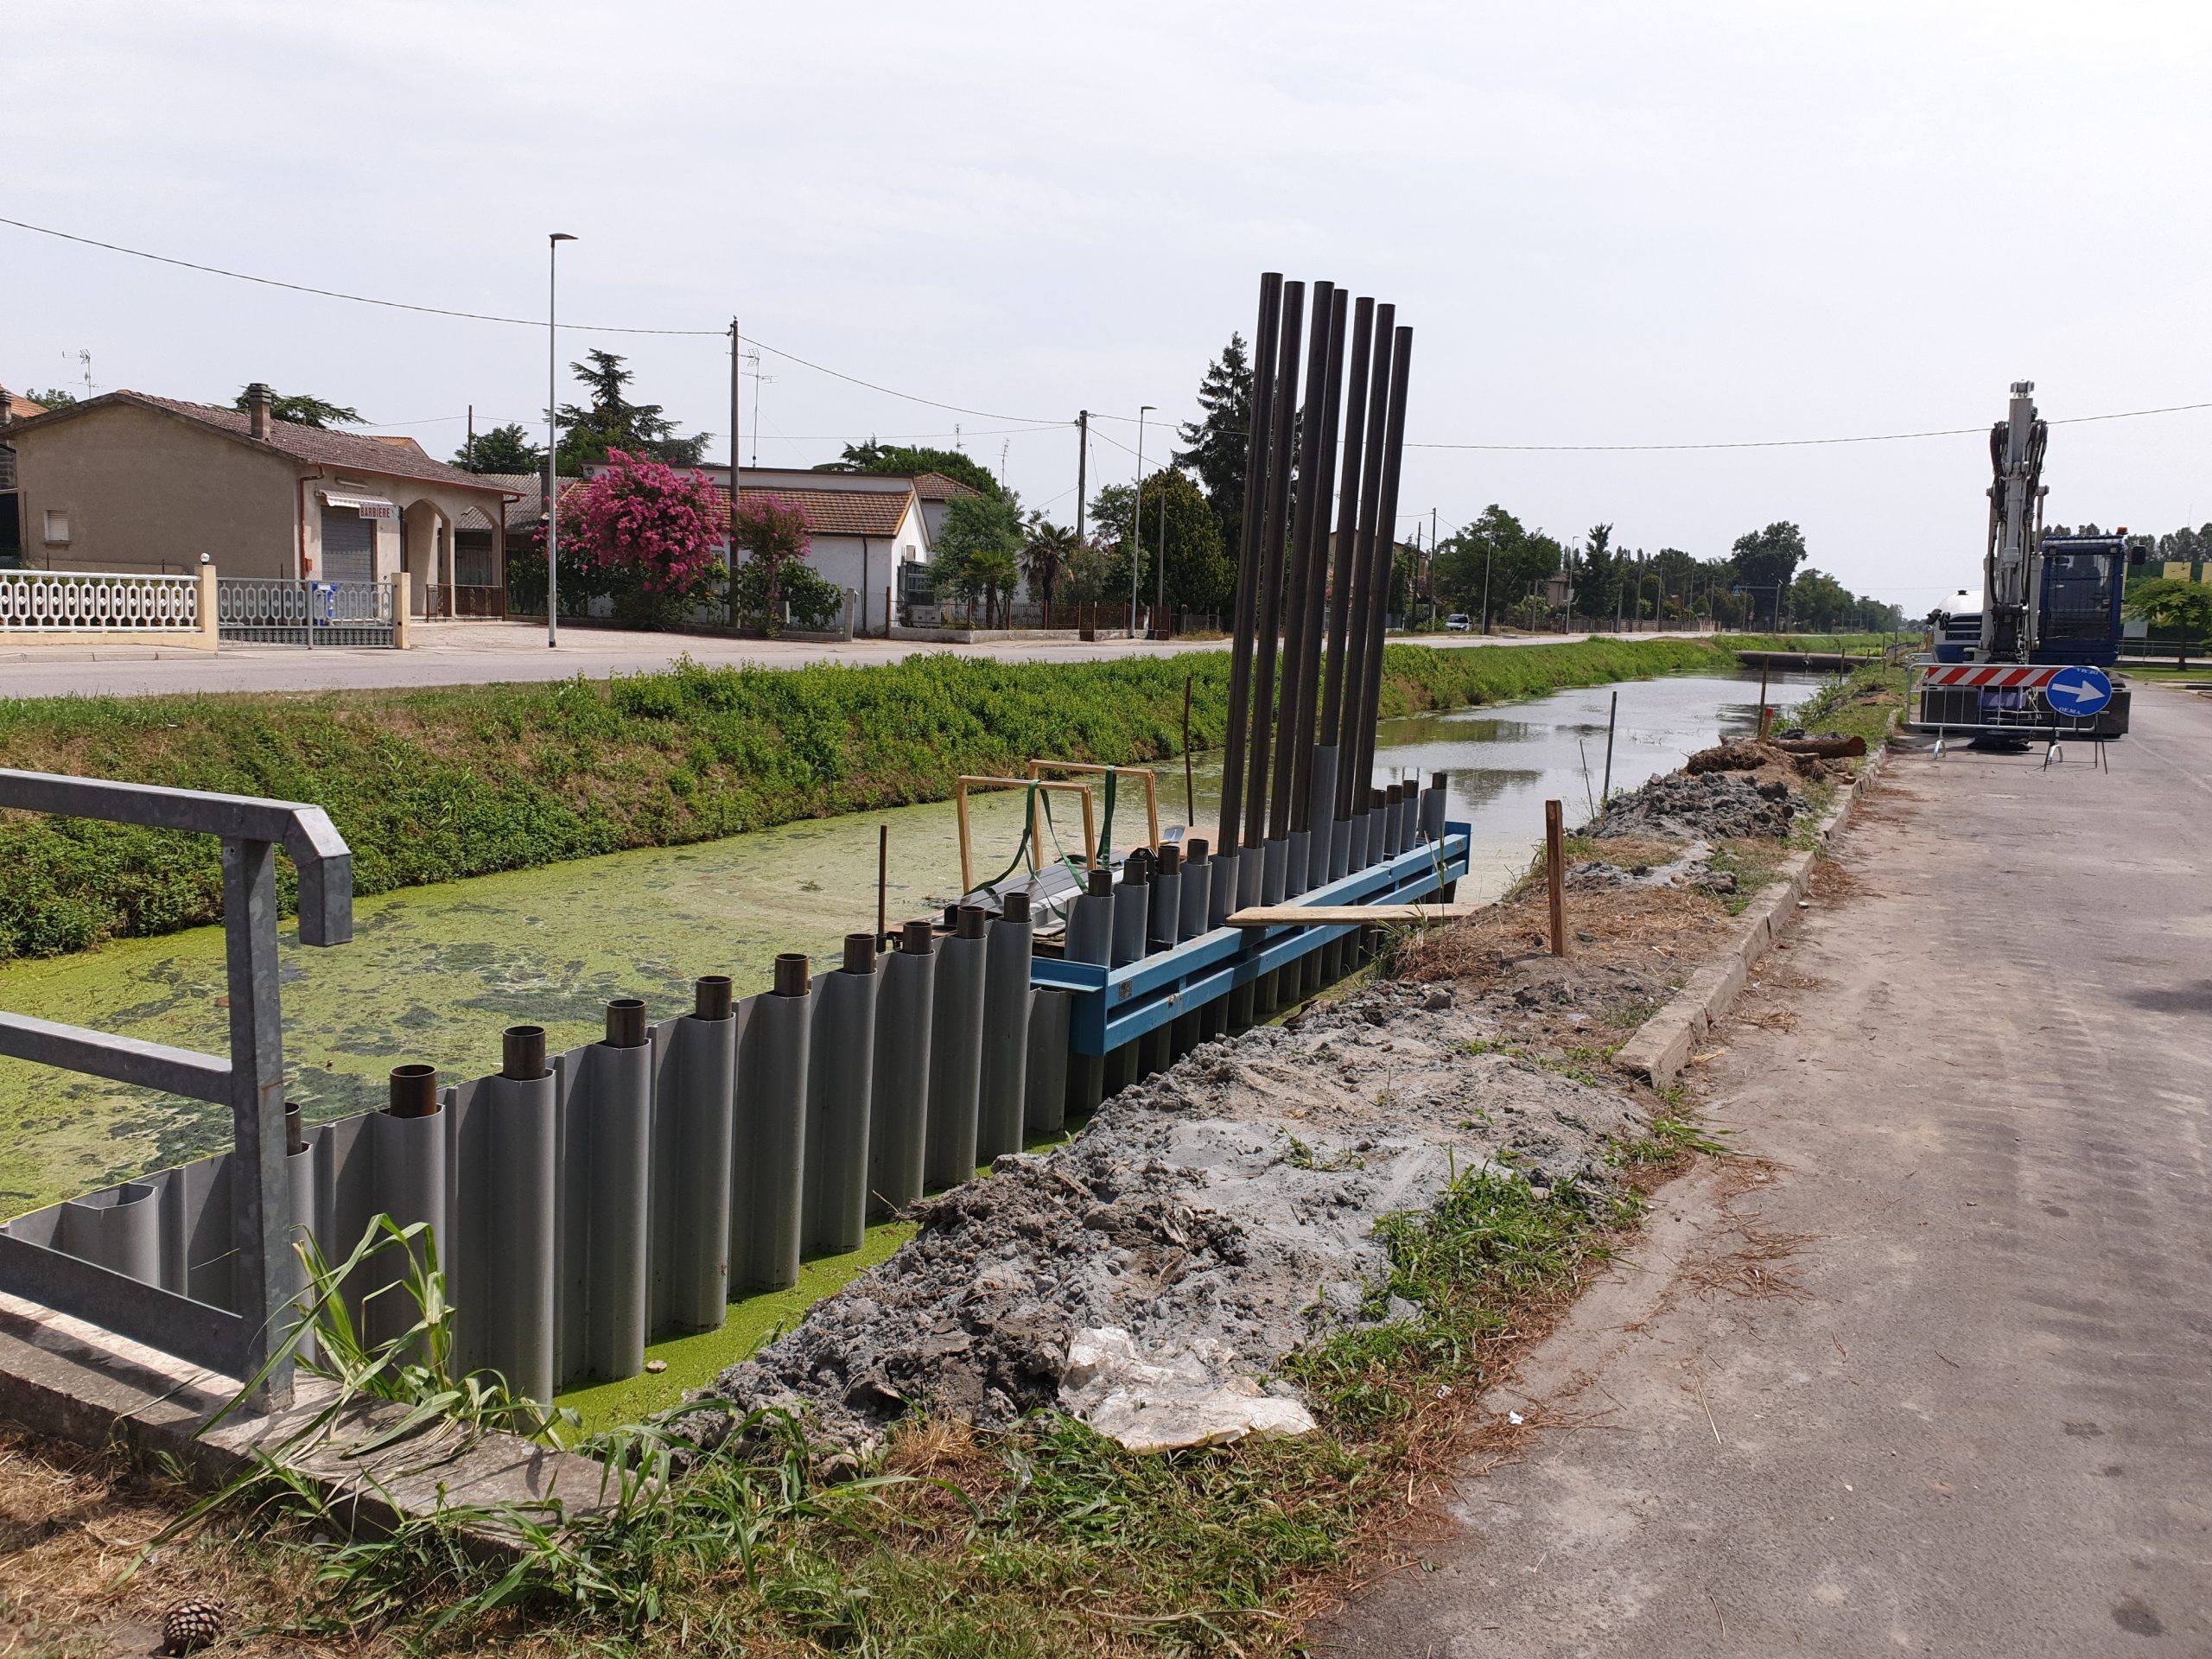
{"points": [[81, 601], [235, 1334], [286, 611], [463, 599]]}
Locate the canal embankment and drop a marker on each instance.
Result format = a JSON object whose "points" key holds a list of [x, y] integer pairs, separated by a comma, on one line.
{"points": [[434, 785]]}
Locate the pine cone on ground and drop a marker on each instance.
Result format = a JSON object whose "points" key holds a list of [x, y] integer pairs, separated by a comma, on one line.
{"points": [[192, 1624]]}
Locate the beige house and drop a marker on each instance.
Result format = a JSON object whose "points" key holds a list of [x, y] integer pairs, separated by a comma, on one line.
{"points": [[134, 483]]}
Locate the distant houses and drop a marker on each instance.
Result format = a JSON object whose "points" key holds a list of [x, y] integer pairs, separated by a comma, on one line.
{"points": [[138, 484], [135, 483], [872, 532]]}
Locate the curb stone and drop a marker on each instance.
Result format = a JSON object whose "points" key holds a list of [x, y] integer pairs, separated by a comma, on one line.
{"points": [[1662, 1044]]}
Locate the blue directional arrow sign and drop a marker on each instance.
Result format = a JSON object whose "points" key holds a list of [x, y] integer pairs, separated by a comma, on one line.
{"points": [[2078, 691]]}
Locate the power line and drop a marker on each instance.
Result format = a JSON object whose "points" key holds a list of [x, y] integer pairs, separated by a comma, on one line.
{"points": [[1030, 422], [519, 322], [1800, 443]]}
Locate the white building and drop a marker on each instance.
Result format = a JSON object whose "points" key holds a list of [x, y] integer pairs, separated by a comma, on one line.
{"points": [[871, 534]]}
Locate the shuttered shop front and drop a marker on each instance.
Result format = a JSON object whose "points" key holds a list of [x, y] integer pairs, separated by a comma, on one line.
{"points": [[349, 545]]}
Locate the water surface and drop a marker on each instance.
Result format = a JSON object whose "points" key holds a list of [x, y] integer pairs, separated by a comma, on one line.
{"points": [[434, 973]]}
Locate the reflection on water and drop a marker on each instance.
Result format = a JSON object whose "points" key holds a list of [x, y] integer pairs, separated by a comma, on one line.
{"points": [[434, 973]]}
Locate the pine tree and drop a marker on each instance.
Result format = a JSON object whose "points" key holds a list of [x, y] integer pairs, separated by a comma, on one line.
{"points": [[613, 421], [1218, 443]]}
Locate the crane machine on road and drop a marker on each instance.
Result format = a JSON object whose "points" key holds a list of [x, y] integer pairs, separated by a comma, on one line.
{"points": [[2036, 659]]}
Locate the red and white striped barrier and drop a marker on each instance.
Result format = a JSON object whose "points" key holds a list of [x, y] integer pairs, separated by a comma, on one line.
{"points": [[1996, 677]]}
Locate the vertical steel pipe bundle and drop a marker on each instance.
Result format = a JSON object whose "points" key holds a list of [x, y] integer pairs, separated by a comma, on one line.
{"points": [[1275, 529], [1386, 517], [1365, 619], [1248, 543], [1283, 803]]}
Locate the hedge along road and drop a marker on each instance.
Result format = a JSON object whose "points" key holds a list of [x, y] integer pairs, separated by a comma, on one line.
{"points": [[434, 972]]}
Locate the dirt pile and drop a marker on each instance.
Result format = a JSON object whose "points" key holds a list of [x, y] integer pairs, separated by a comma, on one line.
{"points": [[1217, 1217], [1701, 806]]}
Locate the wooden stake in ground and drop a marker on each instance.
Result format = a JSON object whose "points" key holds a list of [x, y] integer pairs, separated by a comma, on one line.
{"points": [[1762, 709], [882, 879], [1555, 873]]}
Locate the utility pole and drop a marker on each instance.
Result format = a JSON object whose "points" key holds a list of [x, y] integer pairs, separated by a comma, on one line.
{"points": [[1159, 604], [737, 385], [1082, 462], [553, 437], [1137, 520], [471, 450]]}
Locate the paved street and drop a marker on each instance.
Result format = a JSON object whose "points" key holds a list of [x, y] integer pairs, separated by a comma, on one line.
{"points": [[1939, 1379], [478, 653]]}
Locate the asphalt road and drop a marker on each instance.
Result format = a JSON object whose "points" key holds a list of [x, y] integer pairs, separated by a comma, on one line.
{"points": [[479, 653], [1939, 1378]]}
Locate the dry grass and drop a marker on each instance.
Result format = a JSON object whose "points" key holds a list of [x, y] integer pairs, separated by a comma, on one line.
{"points": [[72, 1524], [1606, 927]]}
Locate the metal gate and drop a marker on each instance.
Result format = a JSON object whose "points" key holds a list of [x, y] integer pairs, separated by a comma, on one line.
{"points": [[282, 611]]}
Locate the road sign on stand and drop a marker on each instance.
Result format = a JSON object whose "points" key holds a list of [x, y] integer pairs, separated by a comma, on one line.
{"points": [[2078, 692]]}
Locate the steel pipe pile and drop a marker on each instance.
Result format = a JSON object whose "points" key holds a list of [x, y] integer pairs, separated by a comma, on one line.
{"points": [[1313, 576]]}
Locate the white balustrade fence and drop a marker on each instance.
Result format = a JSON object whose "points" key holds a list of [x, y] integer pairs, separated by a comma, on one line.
{"points": [[81, 601]]}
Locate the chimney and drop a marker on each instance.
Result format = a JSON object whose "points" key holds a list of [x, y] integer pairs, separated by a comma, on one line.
{"points": [[259, 398]]}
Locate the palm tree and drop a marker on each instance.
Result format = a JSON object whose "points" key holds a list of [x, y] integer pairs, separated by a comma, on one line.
{"points": [[1044, 558]]}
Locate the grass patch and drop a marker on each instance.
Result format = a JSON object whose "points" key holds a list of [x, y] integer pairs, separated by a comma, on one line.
{"points": [[432, 786], [1490, 1246]]}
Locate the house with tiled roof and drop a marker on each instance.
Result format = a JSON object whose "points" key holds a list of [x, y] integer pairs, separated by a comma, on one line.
{"points": [[131, 482], [870, 534], [936, 493]]}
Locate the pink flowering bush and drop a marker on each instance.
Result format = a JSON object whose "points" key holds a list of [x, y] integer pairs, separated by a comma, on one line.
{"points": [[647, 536], [773, 534]]}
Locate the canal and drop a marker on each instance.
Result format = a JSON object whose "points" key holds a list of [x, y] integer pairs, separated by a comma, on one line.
{"points": [[434, 973]]}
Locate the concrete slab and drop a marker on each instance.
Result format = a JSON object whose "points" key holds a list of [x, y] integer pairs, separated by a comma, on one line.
{"points": [[70, 1381]]}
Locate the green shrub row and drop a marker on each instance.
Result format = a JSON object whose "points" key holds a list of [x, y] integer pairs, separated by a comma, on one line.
{"points": [[431, 785]]}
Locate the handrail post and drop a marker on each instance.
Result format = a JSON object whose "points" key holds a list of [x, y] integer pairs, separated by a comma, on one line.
{"points": [[258, 1176]]}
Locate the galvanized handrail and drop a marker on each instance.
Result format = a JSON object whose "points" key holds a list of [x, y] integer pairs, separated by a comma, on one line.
{"points": [[250, 1082]]}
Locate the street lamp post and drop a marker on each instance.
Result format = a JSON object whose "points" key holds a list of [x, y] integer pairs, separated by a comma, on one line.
{"points": [[1137, 520], [553, 438]]}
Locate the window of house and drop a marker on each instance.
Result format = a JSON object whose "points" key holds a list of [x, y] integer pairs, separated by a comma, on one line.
{"points": [[57, 527]]}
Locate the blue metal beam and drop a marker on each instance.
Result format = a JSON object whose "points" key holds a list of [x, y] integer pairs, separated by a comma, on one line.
{"points": [[1112, 1006]]}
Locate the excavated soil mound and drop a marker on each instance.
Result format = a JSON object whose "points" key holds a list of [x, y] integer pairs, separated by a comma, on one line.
{"points": [[1203, 1226], [1701, 806]]}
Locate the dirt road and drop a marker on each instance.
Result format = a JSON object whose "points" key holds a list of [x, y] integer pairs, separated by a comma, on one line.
{"points": [[1936, 1377]]}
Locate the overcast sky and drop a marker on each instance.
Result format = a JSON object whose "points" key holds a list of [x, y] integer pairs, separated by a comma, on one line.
{"points": [[1607, 224]]}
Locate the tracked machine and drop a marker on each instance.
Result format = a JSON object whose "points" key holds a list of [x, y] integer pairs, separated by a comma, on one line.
{"points": [[2035, 661]]}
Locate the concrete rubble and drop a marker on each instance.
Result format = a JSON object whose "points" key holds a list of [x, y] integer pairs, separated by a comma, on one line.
{"points": [[1150, 1276]]}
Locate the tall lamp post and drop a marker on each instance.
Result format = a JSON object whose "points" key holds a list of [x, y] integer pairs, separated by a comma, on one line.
{"points": [[1137, 520], [553, 438]]}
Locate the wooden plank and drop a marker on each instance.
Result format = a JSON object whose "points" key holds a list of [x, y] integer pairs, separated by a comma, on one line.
{"points": [[1336, 915]]}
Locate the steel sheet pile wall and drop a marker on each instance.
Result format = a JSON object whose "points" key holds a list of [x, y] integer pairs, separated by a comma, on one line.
{"points": [[586, 1203]]}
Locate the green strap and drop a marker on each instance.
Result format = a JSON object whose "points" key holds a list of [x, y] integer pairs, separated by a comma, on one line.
{"points": [[1021, 847], [1106, 825]]}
